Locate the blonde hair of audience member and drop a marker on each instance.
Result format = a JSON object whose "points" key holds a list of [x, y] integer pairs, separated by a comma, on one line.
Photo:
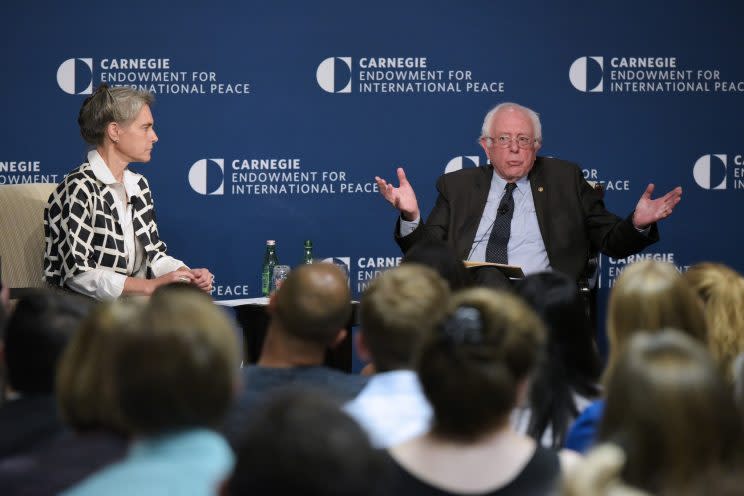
{"points": [[399, 308], [651, 295], [309, 313], [178, 366], [472, 372], [598, 474], [672, 413], [722, 291], [85, 391]]}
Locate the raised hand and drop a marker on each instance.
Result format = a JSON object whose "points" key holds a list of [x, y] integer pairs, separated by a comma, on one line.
{"points": [[648, 211], [402, 198]]}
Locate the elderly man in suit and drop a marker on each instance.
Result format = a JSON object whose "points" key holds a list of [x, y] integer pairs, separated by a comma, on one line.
{"points": [[535, 212]]}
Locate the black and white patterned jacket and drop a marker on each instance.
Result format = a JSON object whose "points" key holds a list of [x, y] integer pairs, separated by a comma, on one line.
{"points": [[82, 230]]}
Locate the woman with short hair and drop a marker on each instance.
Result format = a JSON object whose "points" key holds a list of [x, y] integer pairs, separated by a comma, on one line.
{"points": [[174, 371], [99, 225], [95, 434]]}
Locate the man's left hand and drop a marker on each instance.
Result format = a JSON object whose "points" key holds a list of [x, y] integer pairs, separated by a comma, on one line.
{"points": [[202, 279], [648, 211]]}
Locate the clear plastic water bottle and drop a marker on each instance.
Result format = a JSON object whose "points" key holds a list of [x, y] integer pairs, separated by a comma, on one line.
{"points": [[270, 261]]}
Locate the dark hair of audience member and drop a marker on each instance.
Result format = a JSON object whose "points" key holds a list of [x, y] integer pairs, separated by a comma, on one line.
{"points": [[571, 363], [398, 309], [177, 365], [85, 389], [651, 295], [671, 412], [3, 315], [471, 370], [441, 257], [35, 336], [300, 442], [314, 303], [722, 291]]}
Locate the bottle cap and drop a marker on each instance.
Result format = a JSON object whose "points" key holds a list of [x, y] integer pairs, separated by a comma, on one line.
{"points": [[270, 242]]}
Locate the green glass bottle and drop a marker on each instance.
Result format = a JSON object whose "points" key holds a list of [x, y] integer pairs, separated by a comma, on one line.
{"points": [[270, 261], [308, 257]]}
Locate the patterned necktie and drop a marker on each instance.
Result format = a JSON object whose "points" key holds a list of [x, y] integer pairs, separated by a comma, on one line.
{"points": [[499, 239]]}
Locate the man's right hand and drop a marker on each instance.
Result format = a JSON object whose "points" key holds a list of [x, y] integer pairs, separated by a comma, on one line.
{"points": [[403, 197]]}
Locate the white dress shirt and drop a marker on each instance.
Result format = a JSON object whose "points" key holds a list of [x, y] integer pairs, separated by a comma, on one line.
{"points": [[526, 248], [391, 408]]}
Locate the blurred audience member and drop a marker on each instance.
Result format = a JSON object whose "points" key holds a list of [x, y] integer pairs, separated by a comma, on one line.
{"points": [[399, 309], [567, 375], [4, 303], [722, 291], [175, 372], [599, 475], [35, 336], [649, 296], [473, 373], [300, 443], [309, 314], [738, 368], [86, 402], [441, 257], [4, 311], [672, 413]]}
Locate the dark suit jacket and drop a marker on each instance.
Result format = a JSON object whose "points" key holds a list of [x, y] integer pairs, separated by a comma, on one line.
{"points": [[59, 464], [27, 422], [261, 383], [573, 220]]}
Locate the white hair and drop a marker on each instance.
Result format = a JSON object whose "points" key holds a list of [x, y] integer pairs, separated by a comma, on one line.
{"points": [[534, 117]]}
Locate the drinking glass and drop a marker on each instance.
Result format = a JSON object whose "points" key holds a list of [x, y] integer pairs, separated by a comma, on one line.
{"points": [[280, 274]]}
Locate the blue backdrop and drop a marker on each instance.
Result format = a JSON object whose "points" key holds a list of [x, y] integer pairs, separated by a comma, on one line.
{"points": [[274, 117]]}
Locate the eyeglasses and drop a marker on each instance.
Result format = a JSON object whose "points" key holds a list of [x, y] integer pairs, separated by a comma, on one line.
{"points": [[505, 141]]}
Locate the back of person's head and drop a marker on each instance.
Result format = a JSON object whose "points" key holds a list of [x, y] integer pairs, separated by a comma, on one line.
{"points": [[313, 304], [651, 295], [738, 385], [399, 308], [85, 388], [441, 257], [177, 365], [571, 364], [671, 412], [474, 365], [4, 305], [722, 291], [35, 336], [302, 443]]}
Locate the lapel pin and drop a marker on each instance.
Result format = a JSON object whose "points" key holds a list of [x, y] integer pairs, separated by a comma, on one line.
{"points": [[540, 189]]}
